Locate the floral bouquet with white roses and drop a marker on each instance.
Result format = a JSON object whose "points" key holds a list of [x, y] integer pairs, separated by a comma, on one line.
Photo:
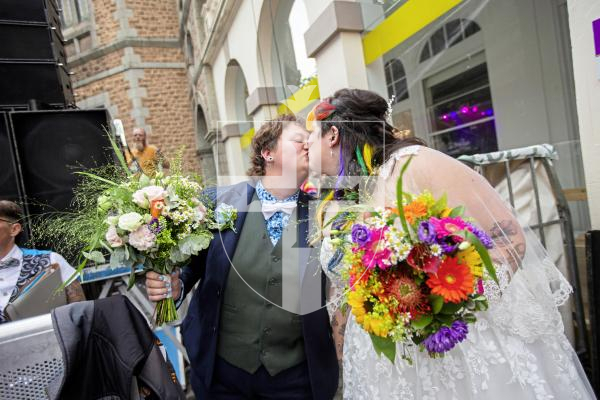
{"points": [[159, 222]]}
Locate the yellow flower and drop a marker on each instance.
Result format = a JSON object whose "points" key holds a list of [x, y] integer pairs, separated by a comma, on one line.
{"points": [[446, 212], [356, 300], [377, 325], [470, 257]]}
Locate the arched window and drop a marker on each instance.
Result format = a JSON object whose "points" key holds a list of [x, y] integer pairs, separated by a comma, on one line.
{"points": [[395, 78], [447, 36]]}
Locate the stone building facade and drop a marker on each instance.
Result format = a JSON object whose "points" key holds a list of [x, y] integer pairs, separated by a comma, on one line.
{"points": [[127, 56]]}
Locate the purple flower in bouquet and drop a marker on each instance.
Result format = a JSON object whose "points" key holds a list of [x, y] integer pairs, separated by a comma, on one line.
{"points": [[361, 235], [483, 237], [449, 243], [446, 337], [426, 232], [154, 226]]}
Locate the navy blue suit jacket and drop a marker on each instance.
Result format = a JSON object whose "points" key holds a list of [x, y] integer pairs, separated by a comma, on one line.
{"points": [[201, 325]]}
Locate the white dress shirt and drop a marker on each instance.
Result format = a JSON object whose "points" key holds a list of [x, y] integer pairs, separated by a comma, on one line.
{"points": [[9, 276]]}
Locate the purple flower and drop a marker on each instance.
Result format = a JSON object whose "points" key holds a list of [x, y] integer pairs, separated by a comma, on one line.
{"points": [[482, 236], [449, 243], [154, 226], [360, 234], [426, 232], [446, 337]]}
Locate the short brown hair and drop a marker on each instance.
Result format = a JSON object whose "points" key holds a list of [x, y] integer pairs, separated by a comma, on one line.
{"points": [[266, 139], [11, 211]]}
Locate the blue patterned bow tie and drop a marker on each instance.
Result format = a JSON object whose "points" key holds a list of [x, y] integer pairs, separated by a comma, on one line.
{"points": [[10, 263]]}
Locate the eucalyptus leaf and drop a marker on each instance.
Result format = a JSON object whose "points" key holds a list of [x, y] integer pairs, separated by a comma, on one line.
{"points": [[95, 256]]}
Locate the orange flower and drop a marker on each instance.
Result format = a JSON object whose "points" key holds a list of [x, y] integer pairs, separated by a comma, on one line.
{"points": [[453, 281], [156, 207], [414, 210]]}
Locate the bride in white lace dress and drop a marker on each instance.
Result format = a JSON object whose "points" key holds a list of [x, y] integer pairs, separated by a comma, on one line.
{"points": [[516, 349]]}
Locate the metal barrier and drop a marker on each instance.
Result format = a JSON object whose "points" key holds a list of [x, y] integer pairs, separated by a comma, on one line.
{"points": [[531, 156], [31, 358]]}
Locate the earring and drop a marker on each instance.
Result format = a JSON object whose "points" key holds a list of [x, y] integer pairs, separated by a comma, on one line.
{"points": [[331, 152], [270, 159]]}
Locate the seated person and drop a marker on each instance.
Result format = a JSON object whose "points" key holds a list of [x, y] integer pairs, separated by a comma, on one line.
{"points": [[19, 265]]}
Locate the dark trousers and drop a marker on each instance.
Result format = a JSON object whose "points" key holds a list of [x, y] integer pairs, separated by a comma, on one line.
{"points": [[232, 383]]}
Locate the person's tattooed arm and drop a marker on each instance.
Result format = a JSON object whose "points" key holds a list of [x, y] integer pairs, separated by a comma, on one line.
{"points": [[338, 325], [74, 292], [509, 243]]}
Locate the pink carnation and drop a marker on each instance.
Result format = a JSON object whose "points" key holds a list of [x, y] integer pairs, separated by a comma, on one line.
{"points": [[142, 238], [113, 238]]}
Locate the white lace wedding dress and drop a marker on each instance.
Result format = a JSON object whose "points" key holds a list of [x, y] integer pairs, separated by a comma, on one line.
{"points": [[516, 350]]}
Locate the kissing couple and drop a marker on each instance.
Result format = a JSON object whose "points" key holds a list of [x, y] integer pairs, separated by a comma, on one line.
{"points": [[264, 320]]}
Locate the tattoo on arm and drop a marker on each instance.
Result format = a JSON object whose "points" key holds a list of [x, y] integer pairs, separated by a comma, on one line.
{"points": [[509, 247], [74, 292]]}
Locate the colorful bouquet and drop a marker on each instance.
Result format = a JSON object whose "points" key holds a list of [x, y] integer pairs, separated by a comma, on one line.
{"points": [[415, 273], [157, 222]]}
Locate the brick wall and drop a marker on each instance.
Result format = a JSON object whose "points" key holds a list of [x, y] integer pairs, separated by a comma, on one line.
{"points": [[153, 84]]}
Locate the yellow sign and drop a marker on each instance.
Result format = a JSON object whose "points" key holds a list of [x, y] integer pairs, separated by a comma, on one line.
{"points": [[246, 138], [301, 98], [402, 24]]}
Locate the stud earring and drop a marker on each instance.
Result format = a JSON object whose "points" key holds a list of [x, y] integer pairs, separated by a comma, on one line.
{"points": [[270, 159]]}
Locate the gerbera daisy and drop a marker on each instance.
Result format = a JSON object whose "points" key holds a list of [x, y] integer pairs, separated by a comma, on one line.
{"points": [[414, 210], [448, 226], [453, 281]]}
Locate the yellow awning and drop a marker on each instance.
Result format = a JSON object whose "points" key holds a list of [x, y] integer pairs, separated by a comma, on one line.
{"points": [[402, 24]]}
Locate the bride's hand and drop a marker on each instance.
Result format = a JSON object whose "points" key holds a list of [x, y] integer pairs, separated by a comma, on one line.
{"points": [[158, 286]]}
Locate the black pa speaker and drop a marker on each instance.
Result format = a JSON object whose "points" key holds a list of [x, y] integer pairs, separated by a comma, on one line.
{"points": [[28, 10], [51, 146], [9, 183], [32, 55]]}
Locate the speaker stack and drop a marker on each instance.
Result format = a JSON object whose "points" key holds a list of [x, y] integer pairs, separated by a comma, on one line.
{"points": [[32, 56], [43, 140]]}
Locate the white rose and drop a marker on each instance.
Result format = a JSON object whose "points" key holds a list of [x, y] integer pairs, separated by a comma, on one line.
{"points": [[145, 196], [130, 221], [113, 238]]}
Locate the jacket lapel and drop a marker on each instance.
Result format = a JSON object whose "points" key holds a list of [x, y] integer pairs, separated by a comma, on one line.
{"points": [[226, 241]]}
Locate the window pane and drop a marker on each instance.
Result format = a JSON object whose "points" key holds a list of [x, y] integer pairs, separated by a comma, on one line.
{"points": [[388, 73], [438, 42], [479, 138], [426, 53], [470, 28], [401, 90], [453, 32], [397, 70]]}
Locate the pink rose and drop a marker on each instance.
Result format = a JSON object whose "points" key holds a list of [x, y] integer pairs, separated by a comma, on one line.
{"points": [[113, 238], [147, 195], [200, 213], [142, 238]]}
